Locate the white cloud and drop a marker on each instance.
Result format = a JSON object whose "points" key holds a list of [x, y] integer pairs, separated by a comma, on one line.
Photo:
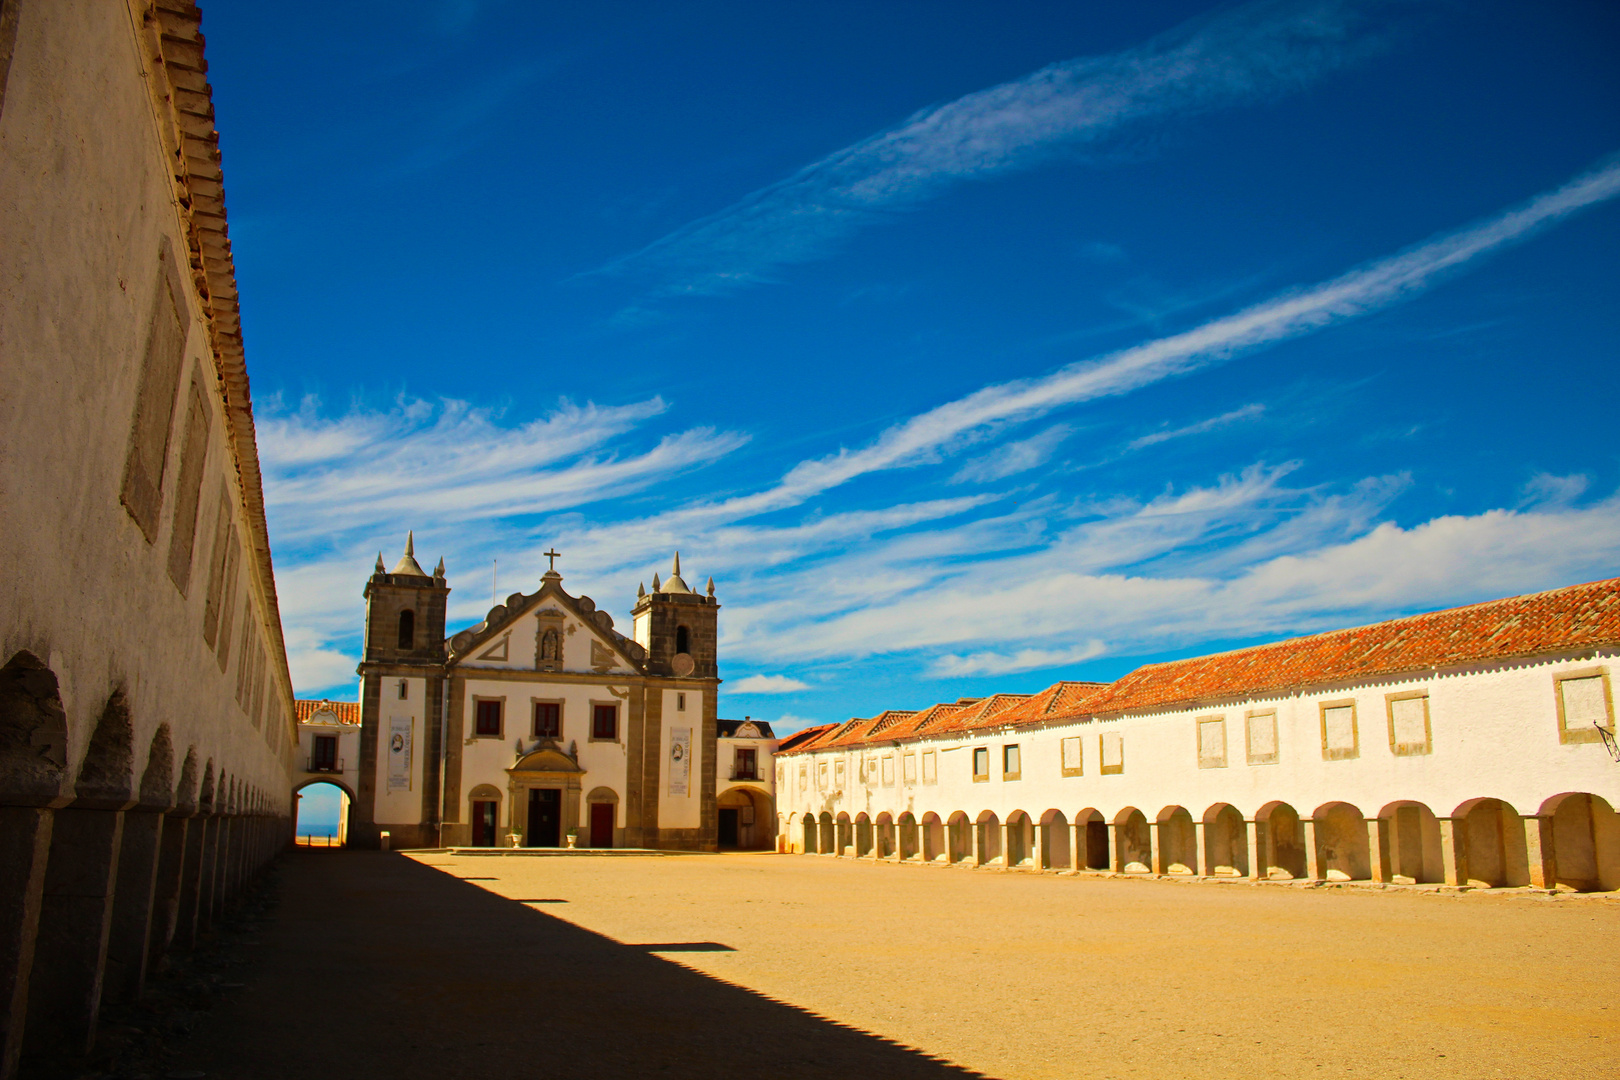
{"points": [[994, 663], [765, 684], [1012, 458], [1202, 426], [1553, 492], [787, 724], [1251, 52]]}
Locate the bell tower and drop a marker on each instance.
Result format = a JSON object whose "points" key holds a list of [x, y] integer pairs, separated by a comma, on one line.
{"points": [[401, 698], [678, 627]]}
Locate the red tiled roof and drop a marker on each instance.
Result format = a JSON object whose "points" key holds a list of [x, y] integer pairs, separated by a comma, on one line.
{"points": [[1562, 620], [800, 738], [348, 712]]}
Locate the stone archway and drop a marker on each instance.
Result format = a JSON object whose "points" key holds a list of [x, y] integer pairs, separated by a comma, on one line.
{"points": [[345, 808], [544, 769], [751, 807]]}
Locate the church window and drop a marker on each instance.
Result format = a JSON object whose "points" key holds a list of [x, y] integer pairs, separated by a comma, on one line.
{"points": [[605, 722], [1584, 705], [1211, 742], [981, 764], [404, 689], [1111, 753], [680, 702], [487, 716], [1408, 723], [1073, 757], [1340, 740], [888, 770], [909, 768], [547, 720], [683, 643], [407, 629], [1261, 730], [930, 770], [1011, 769]]}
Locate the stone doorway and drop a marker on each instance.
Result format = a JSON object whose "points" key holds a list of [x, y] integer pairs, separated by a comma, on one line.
{"points": [[545, 817], [601, 825], [484, 817], [728, 828]]}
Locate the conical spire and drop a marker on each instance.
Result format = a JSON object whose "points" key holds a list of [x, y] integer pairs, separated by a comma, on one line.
{"points": [[407, 562], [438, 571], [676, 584], [641, 590], [677, 564], [656, 586], [711, 586], [381, 569]]}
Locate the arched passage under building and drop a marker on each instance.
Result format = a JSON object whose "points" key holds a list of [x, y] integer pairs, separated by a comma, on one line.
{"points": [[742, 810], [323, 809]]}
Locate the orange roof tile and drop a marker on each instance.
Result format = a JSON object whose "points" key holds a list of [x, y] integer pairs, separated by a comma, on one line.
{"points": [[348, 712]]}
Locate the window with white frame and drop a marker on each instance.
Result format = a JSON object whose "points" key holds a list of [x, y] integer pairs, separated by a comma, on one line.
{"points": [[1011, 762], [1260, 735], [1110, 753], [981, 764], [1585, 704], [1340, 739], [1408, 723]]}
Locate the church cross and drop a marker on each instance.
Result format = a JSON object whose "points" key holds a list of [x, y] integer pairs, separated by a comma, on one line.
{"points": [[553, 555]]}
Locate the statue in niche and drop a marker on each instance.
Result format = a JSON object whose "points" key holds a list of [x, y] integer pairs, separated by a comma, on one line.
{"points": [[548, 647]]}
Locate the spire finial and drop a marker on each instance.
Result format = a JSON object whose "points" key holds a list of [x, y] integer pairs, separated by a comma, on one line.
{"points": [[380, 569], [655, 581], [438, 571], [641, 590], [711, 586], [410, 542], [677, 572]]}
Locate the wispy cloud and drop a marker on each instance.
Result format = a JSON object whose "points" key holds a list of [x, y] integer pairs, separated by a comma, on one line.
{"points": [[1240, 55], [1202, 426], [766, 684], [1012, 458], [995, 663]]}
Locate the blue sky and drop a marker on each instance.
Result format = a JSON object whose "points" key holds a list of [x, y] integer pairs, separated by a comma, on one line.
{"points": [[968, 347]]}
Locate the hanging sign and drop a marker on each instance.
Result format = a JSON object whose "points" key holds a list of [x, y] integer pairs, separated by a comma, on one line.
{"points": [[680, 760], [399, 753]]}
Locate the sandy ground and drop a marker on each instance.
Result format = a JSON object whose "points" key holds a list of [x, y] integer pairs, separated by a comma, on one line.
{"points": [[437, 965]]}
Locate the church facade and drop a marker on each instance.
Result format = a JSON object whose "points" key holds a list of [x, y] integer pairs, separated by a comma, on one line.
{"points": [[541, 726]]}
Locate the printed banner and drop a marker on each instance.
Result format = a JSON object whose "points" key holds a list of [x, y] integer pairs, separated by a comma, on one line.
{"points": [[399, 753], [680, 760]]}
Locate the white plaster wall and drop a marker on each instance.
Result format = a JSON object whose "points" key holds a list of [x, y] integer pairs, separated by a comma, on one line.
{"points": [[401, 807], [348, 752], [1494, 728], [676, 811], [725, 755]]}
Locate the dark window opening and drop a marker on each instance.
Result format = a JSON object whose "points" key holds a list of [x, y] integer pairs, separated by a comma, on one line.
{"points": [[407, 629], [683, 641], [488, 717], [605, 722], [547, 720], [325, 758], [745, 768]]}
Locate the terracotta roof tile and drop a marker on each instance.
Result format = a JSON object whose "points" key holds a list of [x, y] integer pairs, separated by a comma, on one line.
{"points": [[348, 712]]}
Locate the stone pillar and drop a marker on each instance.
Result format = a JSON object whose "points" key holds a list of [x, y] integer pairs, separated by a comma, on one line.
{"points": [[25, 847], [192, 882], [1453, 850], [1161, 864], [166, 893], [1313, 854], [1201, 865], [70, 953], [1115, 862], [132, 908], [1006, 844], [1538, 844], [1077, 846], [208, 878], [1382, 853], [1258, 853]]}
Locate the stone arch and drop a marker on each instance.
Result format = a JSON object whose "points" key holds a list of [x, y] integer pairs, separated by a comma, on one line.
{"points": [[1177, 849], [906, 830], [407, 629], [933, 838], [987, 838], [1342, 849], [824, 834], [1055, 842], [1281, 841], [958, 838], [205, 791], [1585, 835], [807, 826], [883, 835], [1488, 844], [740, 797], [33, 732], [1094, 850], [844, 832], [863, 835], [1409, 849], [346, 813], [1019, 840], [1133, 842], [1226, 842], [107, 773], [157, 781]]}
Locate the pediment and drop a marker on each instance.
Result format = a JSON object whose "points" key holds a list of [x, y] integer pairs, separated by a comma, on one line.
{"points": [[550, 607], [546, 759]]}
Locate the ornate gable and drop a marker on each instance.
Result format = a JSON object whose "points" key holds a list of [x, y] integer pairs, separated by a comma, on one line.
{"points": [[547, 630]]}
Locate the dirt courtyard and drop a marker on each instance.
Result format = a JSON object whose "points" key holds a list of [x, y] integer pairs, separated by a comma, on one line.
{"points": [[481, 961]]}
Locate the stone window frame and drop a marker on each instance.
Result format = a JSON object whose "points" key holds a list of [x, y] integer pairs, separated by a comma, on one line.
{"points": [[1248, 743], [1079, 768], [1589, 735], [618, 725], [1015, 752], [476, 698], [1198, 732], [680, 701], [404, 690], [822, 772], [1354, 751], [804, 776], [562, 716], [928, 769], [1103, 767], [886, 768], [1400, 749], [840, 770], [908, 768], [980, 777]]}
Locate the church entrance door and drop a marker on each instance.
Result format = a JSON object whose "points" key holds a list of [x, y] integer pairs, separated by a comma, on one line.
{"points": [[601, 824], [728, 828], [545, 817], [483, 822]]}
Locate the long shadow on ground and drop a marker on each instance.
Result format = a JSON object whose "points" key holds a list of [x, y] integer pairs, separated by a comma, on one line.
{"points": [[377, 966]]}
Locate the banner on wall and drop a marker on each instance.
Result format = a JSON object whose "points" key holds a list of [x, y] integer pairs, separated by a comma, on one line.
{"points": [[680, 760], [399, 753]]}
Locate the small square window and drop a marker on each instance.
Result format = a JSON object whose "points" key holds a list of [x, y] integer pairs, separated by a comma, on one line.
{"points": [[680, 702], [1212, 742], [1260, 731], [487, 716], [1408, 723], [1009, 762], [981, 763], [1073, 757], [930, 770], [404, 689], [1111, 753], [1340, 739], [605, 722], [547, 720], [1584, 705]]}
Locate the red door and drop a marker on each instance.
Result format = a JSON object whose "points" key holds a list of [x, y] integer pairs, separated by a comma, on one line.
{"points": [[601, 824]]}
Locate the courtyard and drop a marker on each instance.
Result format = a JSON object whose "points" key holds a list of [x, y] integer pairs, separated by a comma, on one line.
{"points": [[430, 964]]}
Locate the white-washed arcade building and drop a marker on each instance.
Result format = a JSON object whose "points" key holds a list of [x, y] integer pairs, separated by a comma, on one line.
{"points": [[1473, 746]]}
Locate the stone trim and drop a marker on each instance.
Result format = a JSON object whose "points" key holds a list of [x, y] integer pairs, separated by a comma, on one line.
{"points": [[1582, 736], [1400, 749], [1340, 754]]}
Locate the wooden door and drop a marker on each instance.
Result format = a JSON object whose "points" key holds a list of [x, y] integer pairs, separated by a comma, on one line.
{"points": [[545, 817], [601, 824], [483, 823]]}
